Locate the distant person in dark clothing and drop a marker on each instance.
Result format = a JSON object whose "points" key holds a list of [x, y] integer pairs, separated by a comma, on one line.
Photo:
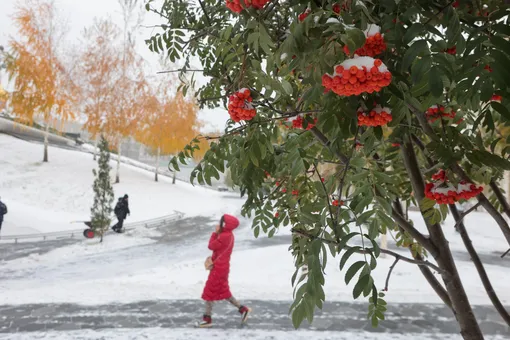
{"points": [[3, 211], [121, 211]]}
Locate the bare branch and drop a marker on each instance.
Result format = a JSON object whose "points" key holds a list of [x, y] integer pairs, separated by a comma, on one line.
{"points": [[389, 274], [179, 70], [480, 268], [506, 252], [467, 212]]}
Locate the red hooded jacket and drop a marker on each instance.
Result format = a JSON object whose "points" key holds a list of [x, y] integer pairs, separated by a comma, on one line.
{"points": [[216, 287]]}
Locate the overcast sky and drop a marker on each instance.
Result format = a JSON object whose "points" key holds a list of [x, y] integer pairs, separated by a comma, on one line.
{"points": [[80, 14]]}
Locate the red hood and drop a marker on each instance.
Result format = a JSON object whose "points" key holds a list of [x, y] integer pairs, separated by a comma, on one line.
{"points": [[230, 222]]}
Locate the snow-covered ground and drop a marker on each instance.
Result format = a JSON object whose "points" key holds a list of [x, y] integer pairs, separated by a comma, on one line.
{"points": [[45, 197], [190, 334], [147, 265]]}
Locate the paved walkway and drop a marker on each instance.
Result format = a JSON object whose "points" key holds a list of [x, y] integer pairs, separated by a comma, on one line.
{"points": [[267, 315]]}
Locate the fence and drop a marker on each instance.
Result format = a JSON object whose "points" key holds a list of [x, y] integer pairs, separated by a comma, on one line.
{"points": [[153, 223]]}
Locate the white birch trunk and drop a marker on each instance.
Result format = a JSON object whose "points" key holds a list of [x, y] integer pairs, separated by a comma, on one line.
{"points": [[46, 137], [157, 165], [117, 175]]}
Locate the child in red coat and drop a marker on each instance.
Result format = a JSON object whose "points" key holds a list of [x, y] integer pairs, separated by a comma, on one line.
{"points": [[216, 287]]}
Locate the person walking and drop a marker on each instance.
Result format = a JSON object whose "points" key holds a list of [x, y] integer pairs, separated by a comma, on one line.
{"points": [[121, 211], [217, 287], [3, 211]]}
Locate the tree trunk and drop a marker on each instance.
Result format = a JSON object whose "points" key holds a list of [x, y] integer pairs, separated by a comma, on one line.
{"points": [[157, 165], [46, 137], [469, 328], [117, 175], [95, 147], [173, 177]]}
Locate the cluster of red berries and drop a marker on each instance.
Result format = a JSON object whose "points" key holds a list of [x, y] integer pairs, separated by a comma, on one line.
{"points": [[337, 203], [240, 107], [444, 193], [451, 50], [297, 123], [237, 6], [356, 76], [374, 43], [488, 68], [378, 116], [303, 15], [497, 98], [337, 8], [435, 112]]}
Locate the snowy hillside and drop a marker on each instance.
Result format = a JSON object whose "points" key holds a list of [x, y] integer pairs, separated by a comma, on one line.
{"points": [[45, 197]]}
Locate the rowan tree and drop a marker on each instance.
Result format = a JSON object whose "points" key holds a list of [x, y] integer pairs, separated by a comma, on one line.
{"points": [[100, 70], [42, 84], [342, 73]]}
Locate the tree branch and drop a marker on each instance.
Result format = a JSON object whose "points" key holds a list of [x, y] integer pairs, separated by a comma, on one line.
{"points": [[179, 70], [464, 214], [426, 272], [501, 198], [411, 230], [325, 141], [384, 251], [389, 274], [503, 225], [205, 13], [480, 268], [506, 252]]}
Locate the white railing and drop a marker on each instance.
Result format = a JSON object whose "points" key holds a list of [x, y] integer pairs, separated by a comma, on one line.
{"points": [[152, 223]]}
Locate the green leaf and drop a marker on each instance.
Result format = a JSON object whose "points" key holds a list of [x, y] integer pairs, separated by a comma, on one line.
{"points": [[501, 44], [364, 217], [453, 29], [501, 109], [298, 314], [420, 68], [360, 286], [490, 159], [412, 32], [346, 256], [417, 48], [427, 204], [435, 82], [356, 266], [357, 36], [287, 87]]}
